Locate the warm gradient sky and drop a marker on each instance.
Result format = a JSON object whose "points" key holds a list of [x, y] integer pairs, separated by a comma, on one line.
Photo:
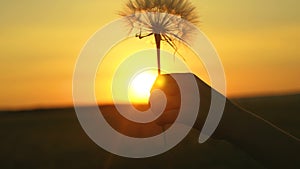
{"points": [[257, 40]]}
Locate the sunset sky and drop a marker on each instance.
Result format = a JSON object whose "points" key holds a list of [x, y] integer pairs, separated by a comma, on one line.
{"points": [[257, 40]]}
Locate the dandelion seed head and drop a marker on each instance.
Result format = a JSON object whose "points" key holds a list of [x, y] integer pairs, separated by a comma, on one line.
{"points": [[171, 18]]}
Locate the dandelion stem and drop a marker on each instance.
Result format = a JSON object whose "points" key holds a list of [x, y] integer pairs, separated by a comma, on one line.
{"points": [[157, 41]]}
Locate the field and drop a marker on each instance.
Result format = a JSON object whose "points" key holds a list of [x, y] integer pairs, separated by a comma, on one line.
{"points": [[53, 138]]}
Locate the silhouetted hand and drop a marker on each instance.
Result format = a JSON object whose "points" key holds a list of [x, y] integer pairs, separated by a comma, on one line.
{"points": [[267, 143], [169, 86]]}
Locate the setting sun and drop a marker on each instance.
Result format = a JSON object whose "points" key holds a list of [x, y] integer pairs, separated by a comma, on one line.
{"points": [[140, 86]]}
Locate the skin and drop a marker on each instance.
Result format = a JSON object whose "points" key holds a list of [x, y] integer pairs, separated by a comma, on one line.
{"points": [[268, 144]]}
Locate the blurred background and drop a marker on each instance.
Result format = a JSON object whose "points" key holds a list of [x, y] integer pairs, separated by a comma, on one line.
{"points": [[40, 40]]}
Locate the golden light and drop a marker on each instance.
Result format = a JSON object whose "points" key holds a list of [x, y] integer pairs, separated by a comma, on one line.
{"points": [[140, 86]]}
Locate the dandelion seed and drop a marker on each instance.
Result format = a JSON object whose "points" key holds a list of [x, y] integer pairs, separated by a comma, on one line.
{"points": [[167, 20]]}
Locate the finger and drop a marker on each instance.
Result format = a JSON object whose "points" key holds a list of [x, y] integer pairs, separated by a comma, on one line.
{"points": [[167, 118]]}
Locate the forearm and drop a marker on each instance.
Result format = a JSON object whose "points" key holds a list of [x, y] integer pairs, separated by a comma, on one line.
{"points": [[266, 143]]}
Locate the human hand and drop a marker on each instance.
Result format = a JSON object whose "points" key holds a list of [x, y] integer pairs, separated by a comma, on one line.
{"points": [[167, 84], [263, 140]]}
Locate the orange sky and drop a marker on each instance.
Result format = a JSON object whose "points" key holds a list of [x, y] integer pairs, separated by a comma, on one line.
{"points": [[258, 43]]}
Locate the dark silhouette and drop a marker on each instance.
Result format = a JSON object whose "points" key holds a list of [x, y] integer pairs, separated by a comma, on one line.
{"points": [[265, 142], [163, 19]]}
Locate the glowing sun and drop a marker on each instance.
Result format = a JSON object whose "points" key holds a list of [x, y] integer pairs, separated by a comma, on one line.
{"points": [[140, 86]]}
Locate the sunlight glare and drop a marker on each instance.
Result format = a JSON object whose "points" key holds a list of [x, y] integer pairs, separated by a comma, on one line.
{"points": [[140, 86]]}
